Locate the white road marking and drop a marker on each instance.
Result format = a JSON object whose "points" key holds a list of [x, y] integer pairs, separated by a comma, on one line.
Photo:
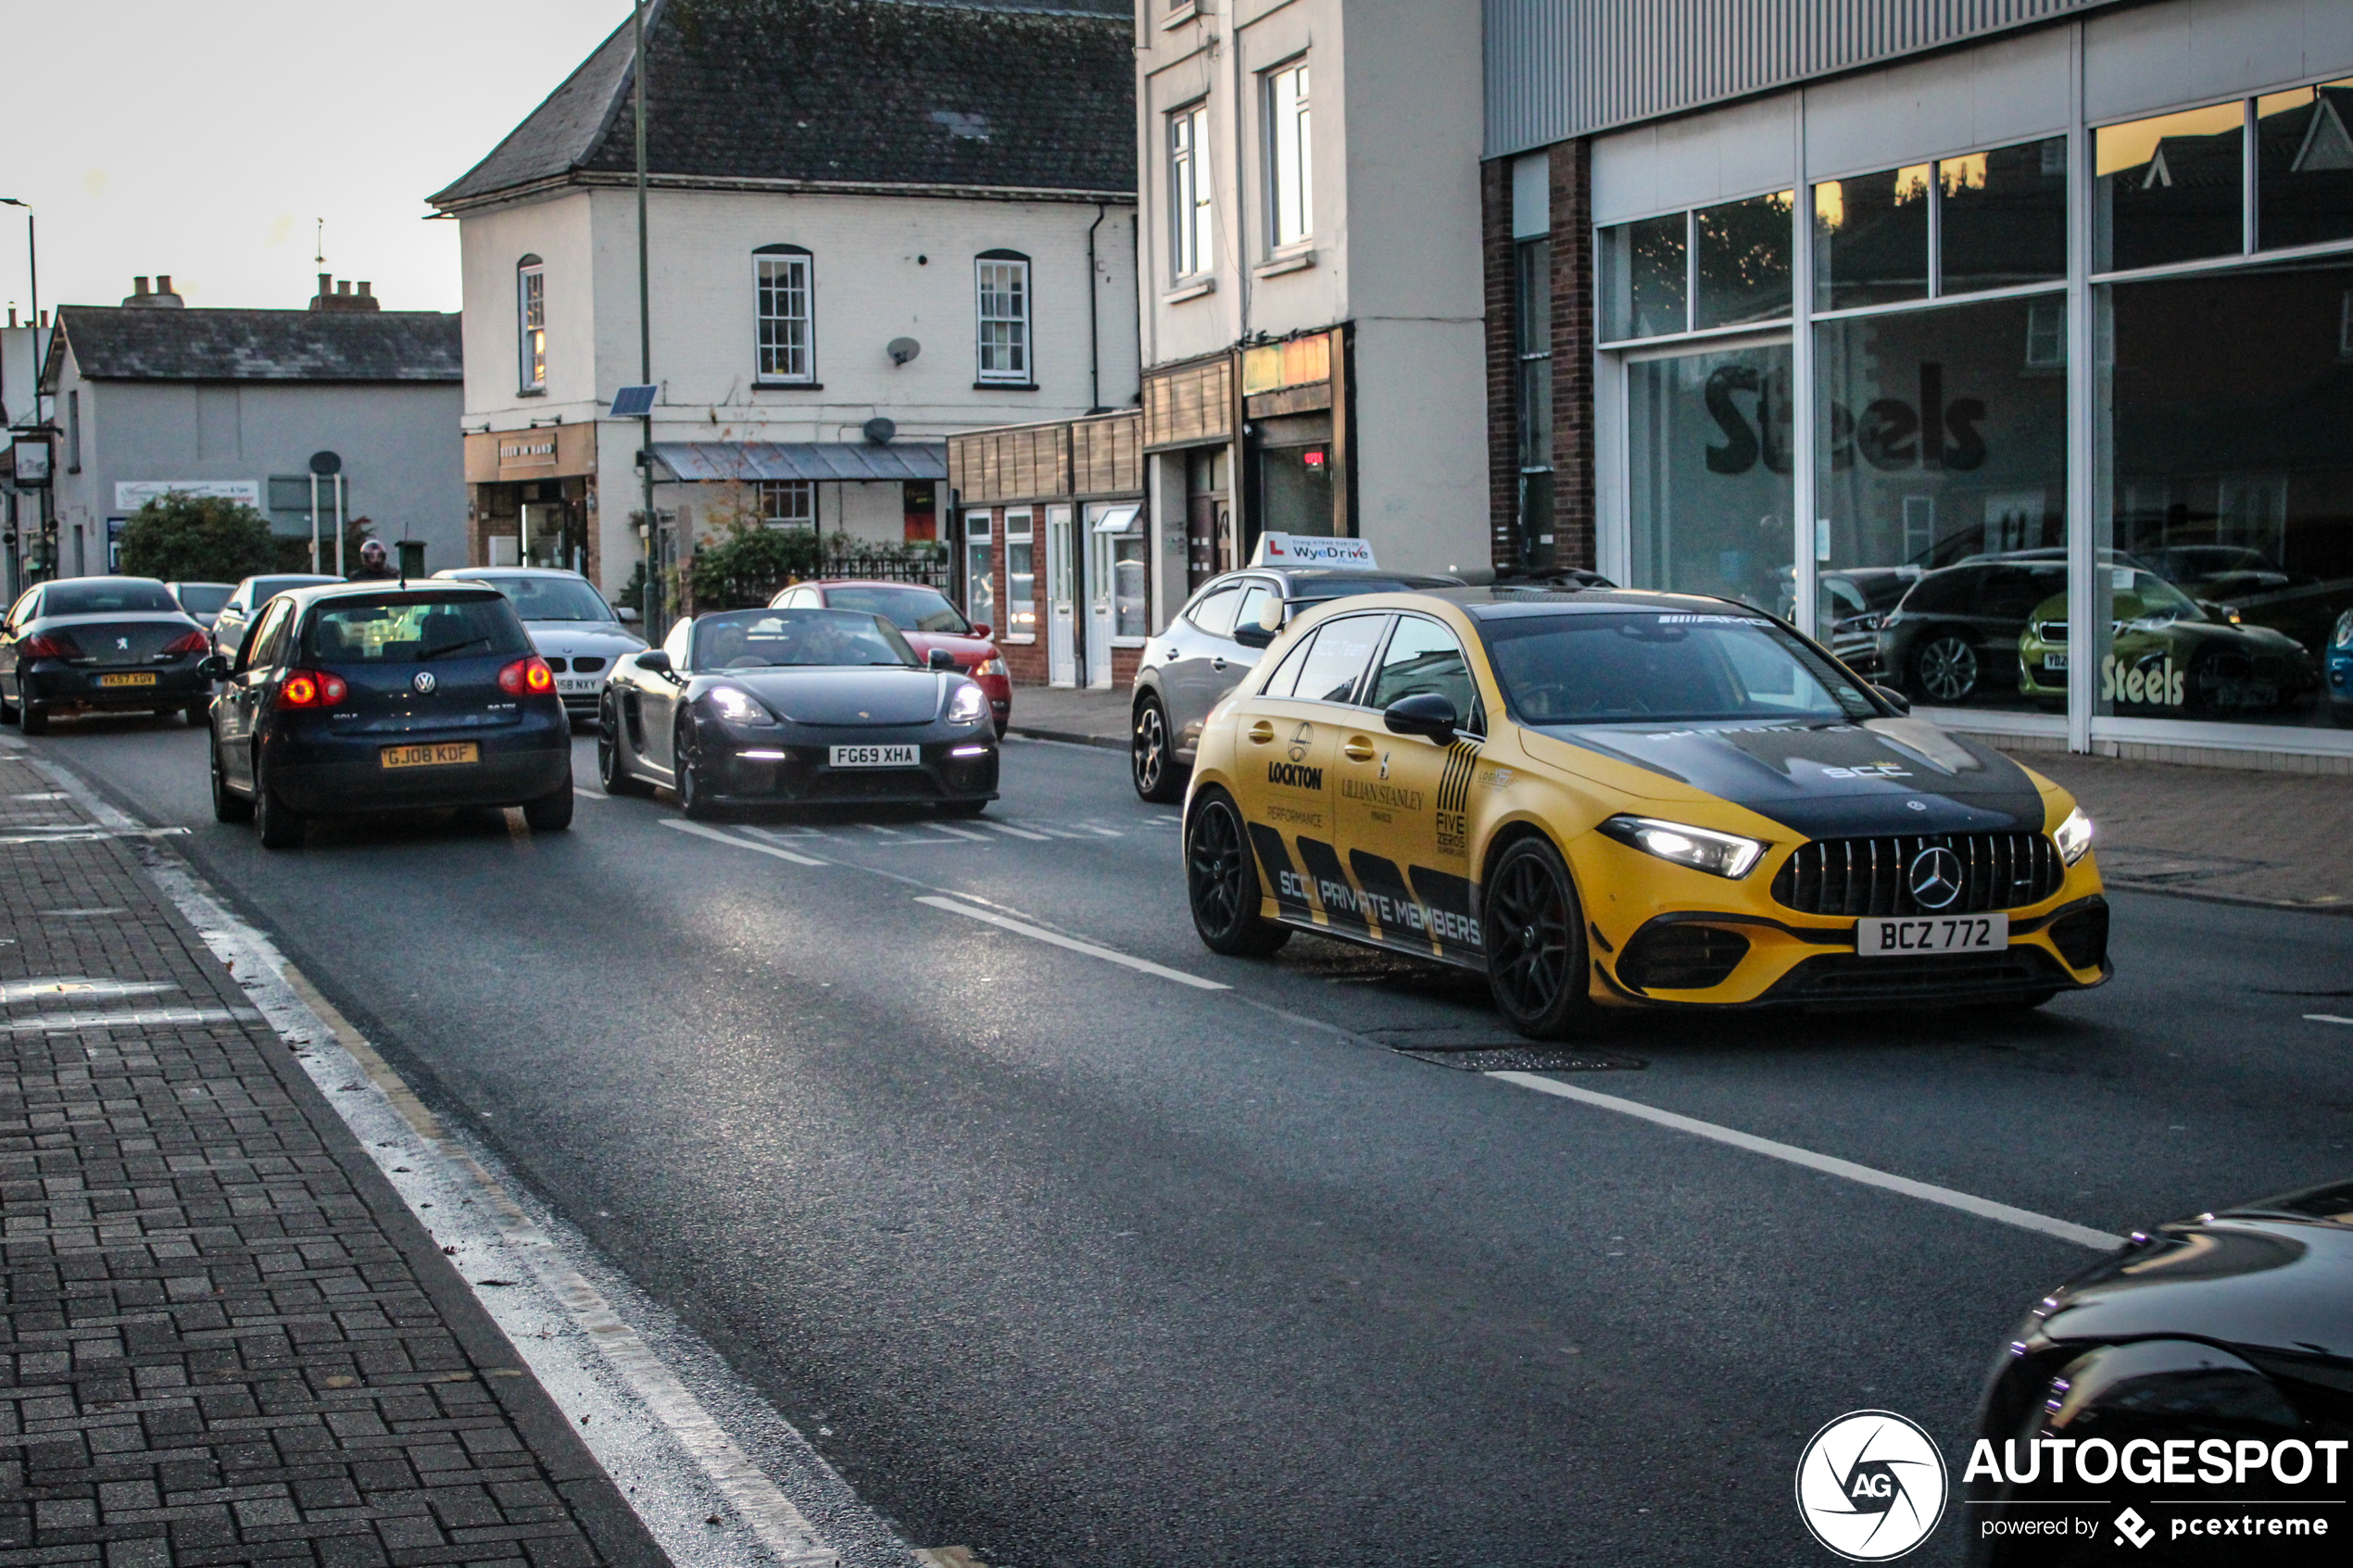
{"points": [[1017, 832], [1984, 1208], [730, 839], [962, 832], [877, 827], [80, 836], [1036, 933], [1062, 833], [646, 1407], [2325, 1018], [1102, 833], [579, 788]]}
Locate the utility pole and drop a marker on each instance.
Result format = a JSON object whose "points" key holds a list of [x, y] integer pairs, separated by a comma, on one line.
{"points": [[656, 628], [45, 507]]}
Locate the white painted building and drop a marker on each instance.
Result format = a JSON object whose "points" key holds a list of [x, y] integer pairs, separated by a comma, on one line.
{"points": [[870, 224], [1310, 277]]}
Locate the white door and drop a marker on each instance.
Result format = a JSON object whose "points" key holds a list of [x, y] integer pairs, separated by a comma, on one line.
{"points": [[1113, 534], [1061, 598]]}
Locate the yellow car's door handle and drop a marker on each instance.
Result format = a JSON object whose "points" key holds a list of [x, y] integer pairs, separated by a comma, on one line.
{"points": [[1358, 749], [1262, 732]]}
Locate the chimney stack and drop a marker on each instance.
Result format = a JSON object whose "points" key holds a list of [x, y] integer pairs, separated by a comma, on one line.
{"points": [[160, 297], [333, 296]]}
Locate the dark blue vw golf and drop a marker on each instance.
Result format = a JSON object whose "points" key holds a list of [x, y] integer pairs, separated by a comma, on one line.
{"points": [[367, 697]]}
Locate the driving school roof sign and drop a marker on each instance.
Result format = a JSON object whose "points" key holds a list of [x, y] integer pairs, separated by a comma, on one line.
{"points": [[1301, 549]]}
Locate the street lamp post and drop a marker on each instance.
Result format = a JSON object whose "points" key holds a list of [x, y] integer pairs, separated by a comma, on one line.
{"points": [[33, 273], [655, 610]]}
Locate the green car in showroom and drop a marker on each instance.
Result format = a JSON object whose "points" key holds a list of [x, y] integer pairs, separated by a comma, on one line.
{"points": [[2170, 654]]}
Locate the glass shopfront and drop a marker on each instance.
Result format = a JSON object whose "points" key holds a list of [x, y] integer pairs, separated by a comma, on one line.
{"points": [[1974, 460]]}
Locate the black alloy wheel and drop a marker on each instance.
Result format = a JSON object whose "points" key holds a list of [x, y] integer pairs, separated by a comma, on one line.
{"points": [[280, 827], [612, 772], [1152, 769], [1945, 668], [228, 806], [1221, 882], [686, 772], [1535, 941]]}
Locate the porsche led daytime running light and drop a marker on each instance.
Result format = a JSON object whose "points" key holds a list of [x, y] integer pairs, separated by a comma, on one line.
{"points": [[969, 706], [1719, 854], [2074, 836], [739, 707]]}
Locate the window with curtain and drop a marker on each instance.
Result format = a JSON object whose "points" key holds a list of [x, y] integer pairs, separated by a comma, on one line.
{"points": [[1290, 182], [531, 325], [783, 294], [1002, 277]]}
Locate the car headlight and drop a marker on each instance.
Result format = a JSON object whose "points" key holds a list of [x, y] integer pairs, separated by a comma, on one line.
{"points": [[969, 706], [2342, 636], [739, 707], [2074, 836], [1720, 854], [993, 665]]}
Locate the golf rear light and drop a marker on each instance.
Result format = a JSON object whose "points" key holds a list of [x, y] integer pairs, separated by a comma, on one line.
{"points": [[527, 675], [2074, 836], [1719, 854], [48, 644], [311, 688], [194, 641]]}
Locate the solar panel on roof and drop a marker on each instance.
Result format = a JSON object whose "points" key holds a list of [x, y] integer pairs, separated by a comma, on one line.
{"points": [[632, 403]]}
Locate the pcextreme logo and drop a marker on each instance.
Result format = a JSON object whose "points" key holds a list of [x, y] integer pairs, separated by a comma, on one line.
{"points": [[1871, 1485]]}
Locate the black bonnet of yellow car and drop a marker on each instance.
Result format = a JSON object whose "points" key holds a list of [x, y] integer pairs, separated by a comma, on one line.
{"points": [[1833, 779]]}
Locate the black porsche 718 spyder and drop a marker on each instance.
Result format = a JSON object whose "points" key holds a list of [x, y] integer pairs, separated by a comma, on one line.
{"points": [[787, 705]]}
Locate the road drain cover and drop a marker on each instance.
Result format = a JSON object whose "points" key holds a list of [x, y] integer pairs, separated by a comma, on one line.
{"points": [[1520, 1057]]}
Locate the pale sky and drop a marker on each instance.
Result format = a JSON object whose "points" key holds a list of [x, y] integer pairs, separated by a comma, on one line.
{"points": [[203, 139]]}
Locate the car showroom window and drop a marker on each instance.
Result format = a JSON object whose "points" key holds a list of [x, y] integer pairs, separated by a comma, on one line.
{"points": [[1001, 281], [1336, 665], [784, 297], [1424, 657], [1214, 611]]}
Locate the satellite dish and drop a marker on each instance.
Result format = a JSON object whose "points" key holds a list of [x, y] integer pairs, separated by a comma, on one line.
{"points": [[879, 431], [323, 463], [903, 349]]}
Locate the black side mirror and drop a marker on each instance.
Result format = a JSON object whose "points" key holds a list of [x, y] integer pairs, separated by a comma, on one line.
{"points": [[940, 659], [654, 659], [213, 668], [1427, 714], [1894, 699], [1255, 636]]}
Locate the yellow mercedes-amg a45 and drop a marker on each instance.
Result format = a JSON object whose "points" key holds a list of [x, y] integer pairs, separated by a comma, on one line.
{"points": [[1613, 798]]}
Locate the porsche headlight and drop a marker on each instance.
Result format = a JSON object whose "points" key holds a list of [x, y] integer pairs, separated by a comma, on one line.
{"points": [[739, 707], [2342, 636], [1720, 854], [2074, 836], [969, 706]]}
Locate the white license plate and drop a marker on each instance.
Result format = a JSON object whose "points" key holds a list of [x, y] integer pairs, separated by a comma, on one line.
{"points": [[2055, 661], [573, 685], [1934, 933], [874, 756]]}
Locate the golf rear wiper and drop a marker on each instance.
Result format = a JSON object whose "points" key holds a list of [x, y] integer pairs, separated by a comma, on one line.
{"points": [[449, 648]]}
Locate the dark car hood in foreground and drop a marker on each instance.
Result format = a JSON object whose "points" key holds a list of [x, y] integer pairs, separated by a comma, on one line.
{"points": [[854, 698], [1829, 781], [2274, 1276]]}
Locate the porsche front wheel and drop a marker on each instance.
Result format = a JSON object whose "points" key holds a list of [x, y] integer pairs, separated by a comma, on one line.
{"points": [[1535, 941], [1221, 882], [613, 769]]}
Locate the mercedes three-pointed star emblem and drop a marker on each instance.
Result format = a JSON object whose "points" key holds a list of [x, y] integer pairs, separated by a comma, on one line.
{"points": [[1934, 878]]}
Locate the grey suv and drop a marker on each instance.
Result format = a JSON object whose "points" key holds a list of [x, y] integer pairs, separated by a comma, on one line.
{"points": [[1211, 644]]}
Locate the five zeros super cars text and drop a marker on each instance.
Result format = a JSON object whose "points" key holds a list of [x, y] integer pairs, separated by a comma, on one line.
{"points": [[1618, 799]]}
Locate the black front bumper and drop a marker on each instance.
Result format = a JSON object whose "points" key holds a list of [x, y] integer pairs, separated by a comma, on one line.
{"points": [[55, 683], [798, 773], [321, 774]]}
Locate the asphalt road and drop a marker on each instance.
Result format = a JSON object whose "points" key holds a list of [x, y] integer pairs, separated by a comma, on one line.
{"points": [[1077, 1263]]}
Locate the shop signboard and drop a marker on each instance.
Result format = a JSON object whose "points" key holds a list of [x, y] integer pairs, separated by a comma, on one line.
{"points": [[130, 495]]}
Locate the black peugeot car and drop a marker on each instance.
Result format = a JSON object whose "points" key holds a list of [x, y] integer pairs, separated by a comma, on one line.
{"points": [[2190, 1398], [774, 705], [375, 697], [100, 644]]}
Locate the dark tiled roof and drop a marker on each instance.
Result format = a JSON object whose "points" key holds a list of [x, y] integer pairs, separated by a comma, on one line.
{"points": [[116, 343], [857, 92]]}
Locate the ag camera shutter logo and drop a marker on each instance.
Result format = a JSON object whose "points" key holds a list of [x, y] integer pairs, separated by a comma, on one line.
{"points": [[1871, 1485]]}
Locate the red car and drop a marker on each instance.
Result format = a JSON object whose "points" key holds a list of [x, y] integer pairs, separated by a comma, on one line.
{"points": [[928, 621]]}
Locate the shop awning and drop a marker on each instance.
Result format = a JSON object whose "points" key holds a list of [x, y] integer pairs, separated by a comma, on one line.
{"points": [[854, 462]]}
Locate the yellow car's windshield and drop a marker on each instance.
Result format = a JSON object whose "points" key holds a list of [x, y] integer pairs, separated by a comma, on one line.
{"points": [[1654, 666]]}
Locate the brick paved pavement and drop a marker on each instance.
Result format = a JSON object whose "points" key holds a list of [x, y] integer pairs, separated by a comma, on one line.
{"points": [[222, 1338]]}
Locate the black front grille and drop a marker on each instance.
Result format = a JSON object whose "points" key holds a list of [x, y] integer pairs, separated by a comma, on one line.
{"points": [[1870, 876], [555, 665], [1681, 958], [586, 666], [1852, 978]]}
